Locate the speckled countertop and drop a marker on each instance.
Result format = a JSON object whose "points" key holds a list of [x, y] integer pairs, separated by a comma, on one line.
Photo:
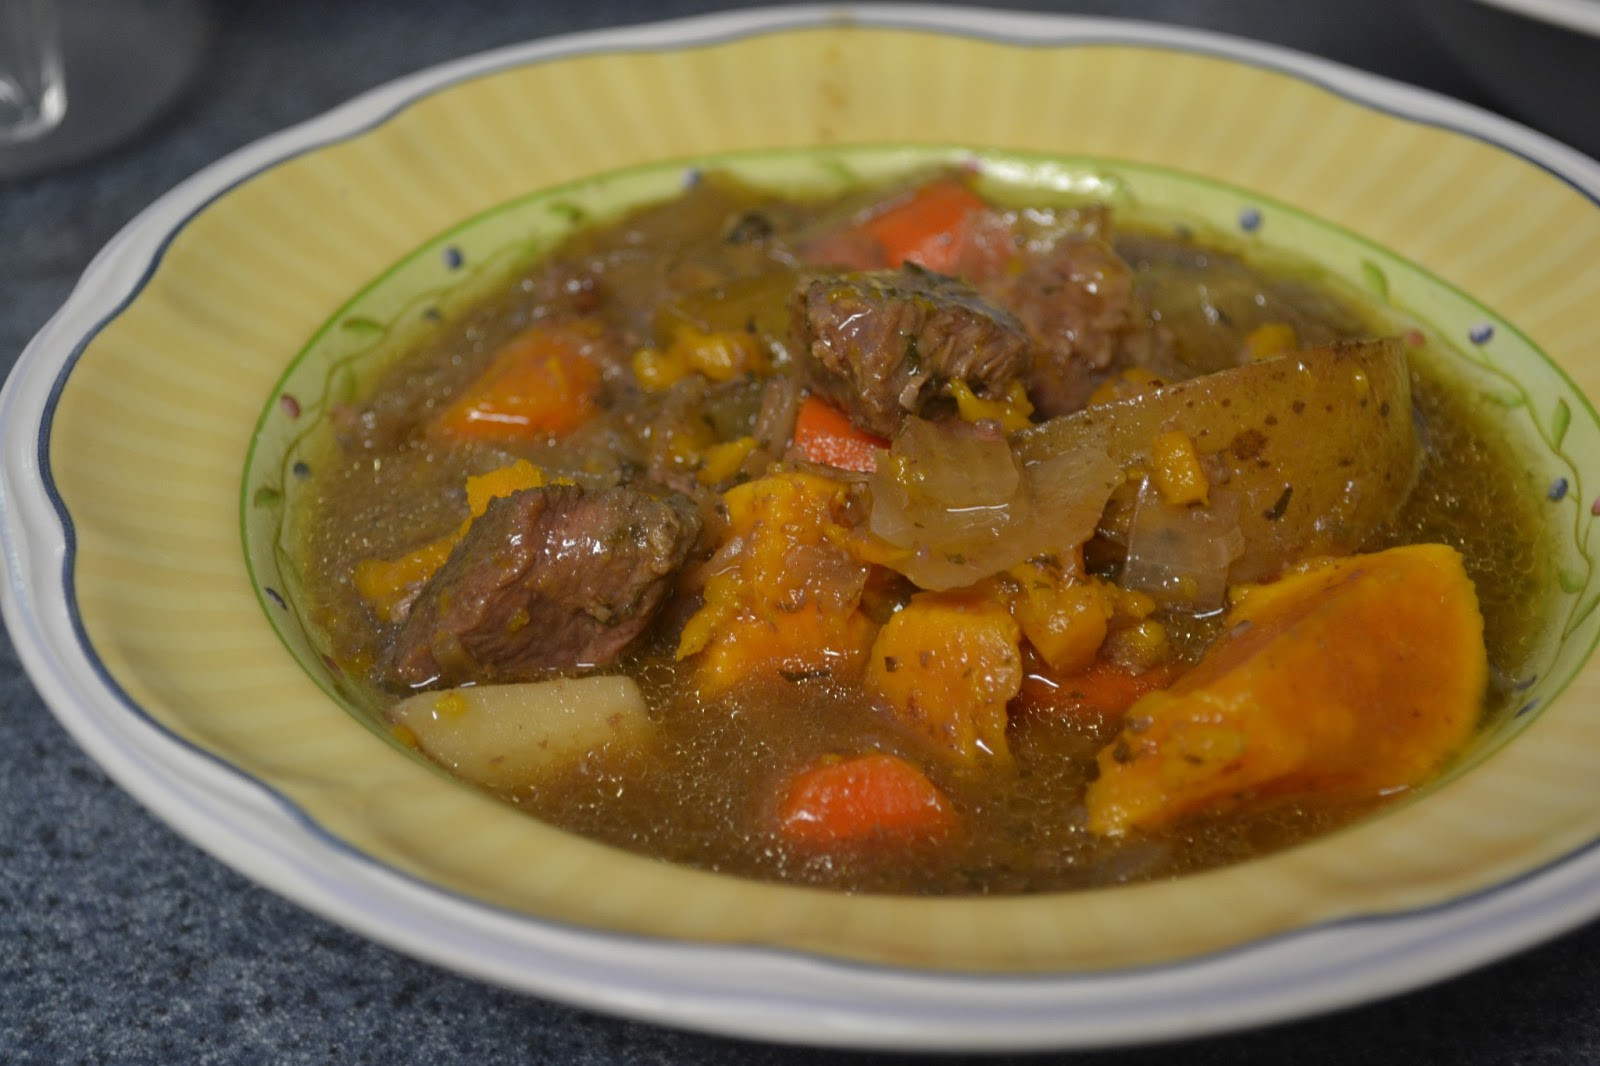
{"points": [[120, 942]]}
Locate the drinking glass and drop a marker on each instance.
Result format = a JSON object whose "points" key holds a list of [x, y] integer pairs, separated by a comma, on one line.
{"points": [[78, 77], [33, 90]]}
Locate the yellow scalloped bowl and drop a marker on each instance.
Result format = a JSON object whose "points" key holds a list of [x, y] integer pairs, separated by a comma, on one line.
{"points": [[320, 247]]}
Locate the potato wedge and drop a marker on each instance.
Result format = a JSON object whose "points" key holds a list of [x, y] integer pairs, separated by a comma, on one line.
{"points": [[1319, 687], [503, 736], [1318, 446]]}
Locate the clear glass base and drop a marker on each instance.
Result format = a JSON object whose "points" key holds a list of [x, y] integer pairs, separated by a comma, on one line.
{"points": [[125, 61]]}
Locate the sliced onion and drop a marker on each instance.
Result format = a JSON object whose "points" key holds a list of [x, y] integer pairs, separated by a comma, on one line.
{"points": [[1181, 556], [965, 506], [942, 485]]}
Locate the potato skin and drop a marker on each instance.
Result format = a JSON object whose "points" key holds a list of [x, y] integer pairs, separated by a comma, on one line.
{"points": [[1318, 447]]}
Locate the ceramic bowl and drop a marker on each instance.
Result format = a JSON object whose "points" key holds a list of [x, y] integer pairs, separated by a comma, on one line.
{"points": [[151, 435]]}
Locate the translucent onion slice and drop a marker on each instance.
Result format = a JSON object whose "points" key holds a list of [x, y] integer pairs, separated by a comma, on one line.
{"points": [[963, 506], [1181, 556]]}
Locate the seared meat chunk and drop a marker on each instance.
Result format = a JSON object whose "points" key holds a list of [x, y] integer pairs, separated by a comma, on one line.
{"points": [[547, 580], [1075, 296], [880, 344]]}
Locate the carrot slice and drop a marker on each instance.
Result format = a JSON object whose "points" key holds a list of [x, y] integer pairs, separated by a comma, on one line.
{"points": [[851, 800], [824, 434], [928, 228], [541, 383], [1100, 693]]}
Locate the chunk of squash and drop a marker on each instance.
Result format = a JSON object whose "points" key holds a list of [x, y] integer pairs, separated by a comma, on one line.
{"points": [[505, 736], [1356, 677], [389, 586], [783, 596], [945, 667]]}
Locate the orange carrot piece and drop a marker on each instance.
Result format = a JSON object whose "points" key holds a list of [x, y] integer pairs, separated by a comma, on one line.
{"points": [[927, 229], [824, 434], [1103, 691], [852, 800], [541, 383]]}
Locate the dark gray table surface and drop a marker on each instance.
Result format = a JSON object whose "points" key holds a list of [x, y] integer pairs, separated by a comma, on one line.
{"points": [[121, 942]]}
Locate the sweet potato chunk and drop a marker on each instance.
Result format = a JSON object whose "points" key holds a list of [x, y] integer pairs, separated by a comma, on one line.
{"points": [[1355, 677], [945, 667], [391, 586], [783, 598]]}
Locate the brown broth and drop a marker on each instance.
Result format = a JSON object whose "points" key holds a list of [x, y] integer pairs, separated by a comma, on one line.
{"points": [[704, 796]]}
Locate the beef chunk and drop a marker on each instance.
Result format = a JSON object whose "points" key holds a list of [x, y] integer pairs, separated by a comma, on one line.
{"points": [[546, 580], [1077, 301], [880, 344]]}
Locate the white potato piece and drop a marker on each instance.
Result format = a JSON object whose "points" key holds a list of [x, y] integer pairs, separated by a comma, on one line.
{"points": [[1318, 447], [503, 736]]}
